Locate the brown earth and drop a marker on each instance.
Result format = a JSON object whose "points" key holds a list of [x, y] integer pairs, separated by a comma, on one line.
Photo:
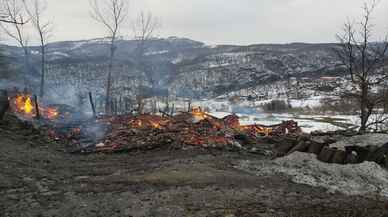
{"points": [[38, 179]]}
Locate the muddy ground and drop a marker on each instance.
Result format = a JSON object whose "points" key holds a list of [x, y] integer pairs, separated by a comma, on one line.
{"points": [[37, 178]]}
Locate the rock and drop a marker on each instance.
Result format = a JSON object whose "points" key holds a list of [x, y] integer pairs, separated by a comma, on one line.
{"points": [[326, 154], [379, 155], [362, 152], [351, 158], [318, 133], [301, 147], [283, 148], [323, 139], [315, 148], [339, 157]]}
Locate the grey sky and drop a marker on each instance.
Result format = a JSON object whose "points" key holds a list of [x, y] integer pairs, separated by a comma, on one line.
{"points": [[226, 21]]}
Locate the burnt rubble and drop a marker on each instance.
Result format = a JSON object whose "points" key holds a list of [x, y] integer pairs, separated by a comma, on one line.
{"points": [[186, 130]]}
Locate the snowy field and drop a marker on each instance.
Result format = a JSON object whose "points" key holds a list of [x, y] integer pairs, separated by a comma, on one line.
{"points": [[250, 113], [308, 123]]}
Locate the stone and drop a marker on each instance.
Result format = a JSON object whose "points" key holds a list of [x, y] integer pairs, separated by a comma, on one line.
{"points": [[301, 147], [315, 148], [351, 158], [283, 148], [339, 157], [379, 155], [326, 154]]}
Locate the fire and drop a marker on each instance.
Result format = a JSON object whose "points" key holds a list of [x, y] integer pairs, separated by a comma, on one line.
{"points": [[155, 125], [198, 114], [28, 107], [148, 121], [52, 113], [23, 105]]}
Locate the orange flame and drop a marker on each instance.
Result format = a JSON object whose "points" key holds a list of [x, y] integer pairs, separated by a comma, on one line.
{"points": [[148, 121], [52, 113], [198, 113], [155, 125], [28, 107], [24, 105]]}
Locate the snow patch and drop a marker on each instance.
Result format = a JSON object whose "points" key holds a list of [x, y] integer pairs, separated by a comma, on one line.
{"points": [[60, 54], [352, 179], [156, 52]]}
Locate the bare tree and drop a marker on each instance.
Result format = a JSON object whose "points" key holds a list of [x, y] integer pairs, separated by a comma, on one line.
{"points": [[364, 62], [144, 28], [111, 14], [4, 19], [36, 10], [13, 25], [5, 16]]}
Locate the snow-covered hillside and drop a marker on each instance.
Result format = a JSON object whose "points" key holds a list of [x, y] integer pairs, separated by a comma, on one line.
{"points": [[189, 68]]}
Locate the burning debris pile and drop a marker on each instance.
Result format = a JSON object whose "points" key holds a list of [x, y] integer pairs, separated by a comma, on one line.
{"points": [[143, 131], [195, 128], [132, 132], [24, 105]]}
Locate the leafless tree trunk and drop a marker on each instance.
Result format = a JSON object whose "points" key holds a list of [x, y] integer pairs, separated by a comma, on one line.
{"points": [[288, 89], [144, 29], [44, 29], [13, 24], [111, 15], [364, 62]]}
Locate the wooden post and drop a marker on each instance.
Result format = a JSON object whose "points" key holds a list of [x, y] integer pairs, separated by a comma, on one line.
{"points": [[36, 107], [172, 109], [126, 105], [92, 104], [115, 106], [4, 103], [120, 105]]}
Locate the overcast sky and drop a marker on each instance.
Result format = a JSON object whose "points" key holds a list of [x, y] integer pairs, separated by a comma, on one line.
{"points": [[225, 21]]}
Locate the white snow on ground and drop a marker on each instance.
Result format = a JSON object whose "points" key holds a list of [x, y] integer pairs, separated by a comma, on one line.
{"points": [[60, 54], [311, 102], [156, 52], [250, 113], [373, 139], [307, 124], [77, 45], [214, 105], [367, 178]]}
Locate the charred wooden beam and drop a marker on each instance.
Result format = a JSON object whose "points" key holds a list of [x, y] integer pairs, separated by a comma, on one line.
{"points": [[4, 103], [92, 104], [165, 113], [36, 107]]}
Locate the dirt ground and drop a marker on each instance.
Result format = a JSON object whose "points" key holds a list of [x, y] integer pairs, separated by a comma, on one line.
{"points": [[38, 179]]}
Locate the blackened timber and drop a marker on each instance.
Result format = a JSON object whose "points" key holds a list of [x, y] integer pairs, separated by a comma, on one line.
{"points": [[92, 104], [4, 103], [36, 107]]}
